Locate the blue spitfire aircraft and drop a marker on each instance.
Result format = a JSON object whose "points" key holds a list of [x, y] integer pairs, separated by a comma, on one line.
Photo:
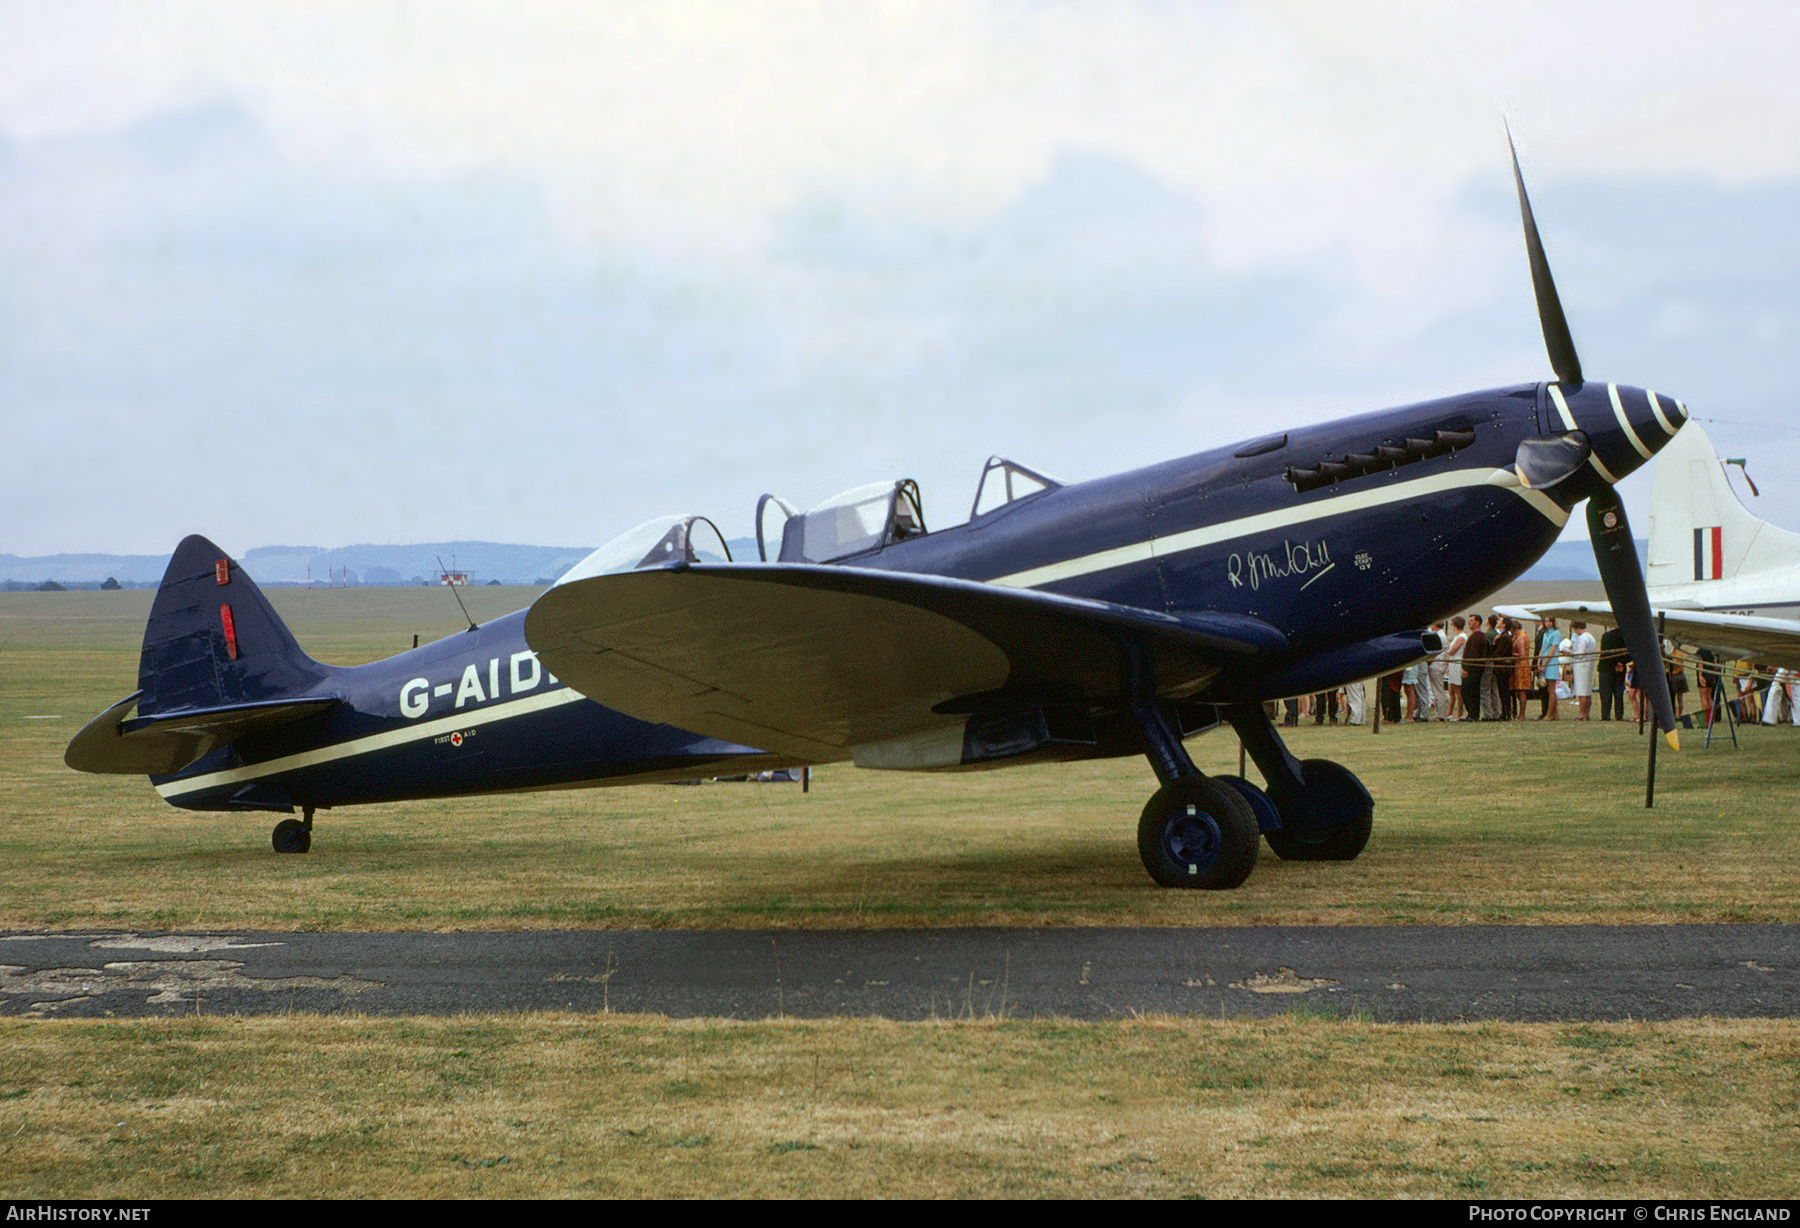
{"points": [[1105, 618]]}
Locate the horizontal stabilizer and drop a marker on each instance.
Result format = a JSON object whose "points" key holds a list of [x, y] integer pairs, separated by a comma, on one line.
{"points": [[163, 744], [816, 661]]}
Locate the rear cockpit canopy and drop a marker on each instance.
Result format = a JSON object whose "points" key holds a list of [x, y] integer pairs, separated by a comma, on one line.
{"points": [[1003, 482], [655, 543], [867, 518], [857, 521]]}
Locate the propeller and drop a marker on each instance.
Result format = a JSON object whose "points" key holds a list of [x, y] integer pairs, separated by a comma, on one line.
{"points": [[1557, 341], [1608, 528], [1617, 558]]}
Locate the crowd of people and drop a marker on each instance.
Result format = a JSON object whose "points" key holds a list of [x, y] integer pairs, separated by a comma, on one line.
{"points": [[1494, 670]]}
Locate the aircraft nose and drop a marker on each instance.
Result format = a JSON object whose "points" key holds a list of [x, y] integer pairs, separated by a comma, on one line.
{"points": [[1626, 425], [1645, 417]]}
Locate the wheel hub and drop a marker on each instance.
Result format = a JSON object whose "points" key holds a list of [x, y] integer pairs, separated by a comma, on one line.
{"points": [[1193, 837]]}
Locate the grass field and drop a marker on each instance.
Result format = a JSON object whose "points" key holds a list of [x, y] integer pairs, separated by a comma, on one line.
{"points": [[1515, 823], [558, 1106], [1524, 822]]}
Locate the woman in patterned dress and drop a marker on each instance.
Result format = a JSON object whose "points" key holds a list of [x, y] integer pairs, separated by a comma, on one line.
{"points": [[1521, 678]]}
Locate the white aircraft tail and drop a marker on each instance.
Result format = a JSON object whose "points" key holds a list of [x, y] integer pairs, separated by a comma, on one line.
{"points": [[1699, 530]]}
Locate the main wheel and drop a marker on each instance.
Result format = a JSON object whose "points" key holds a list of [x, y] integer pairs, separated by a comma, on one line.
{"points": [[291, 836], [1197, 833], [1340, 815]]}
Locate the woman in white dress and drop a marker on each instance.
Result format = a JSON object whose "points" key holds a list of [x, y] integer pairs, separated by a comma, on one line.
{"points": [[1453, 658], [1781, 698], [1565, 662], [1582, 650]]}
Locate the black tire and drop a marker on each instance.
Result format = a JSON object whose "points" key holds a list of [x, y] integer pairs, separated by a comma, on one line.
{"points": [[291, 836], [1340, 814], [1198, 834]]}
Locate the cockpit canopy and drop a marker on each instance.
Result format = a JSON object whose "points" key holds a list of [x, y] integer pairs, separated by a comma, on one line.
{"points": [[861, 519], [1004, 481], [655, 543], [866, 518]]}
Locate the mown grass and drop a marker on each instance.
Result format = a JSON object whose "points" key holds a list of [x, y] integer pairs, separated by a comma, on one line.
{"points": [[1523, 823], [557, 1106], [1491, 823]]}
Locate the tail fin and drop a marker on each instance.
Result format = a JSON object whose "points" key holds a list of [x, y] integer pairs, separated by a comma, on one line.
{"points": [[217, 663], [213, 639], [1698, 529]]}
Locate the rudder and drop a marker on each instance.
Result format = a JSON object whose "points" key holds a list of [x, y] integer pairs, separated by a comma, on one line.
{"points": [[1699, 530], [213, 639]]}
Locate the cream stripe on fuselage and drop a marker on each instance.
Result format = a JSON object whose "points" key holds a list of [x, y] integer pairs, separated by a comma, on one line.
{"points": [[472, 719], [1265, 522]]}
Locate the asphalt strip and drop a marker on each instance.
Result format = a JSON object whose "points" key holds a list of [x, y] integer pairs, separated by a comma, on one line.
{"points": [[1387, 973]]}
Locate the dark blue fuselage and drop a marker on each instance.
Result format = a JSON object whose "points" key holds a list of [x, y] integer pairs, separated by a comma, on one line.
{"points": [[1348, 538], [1348, 572], [471, 713]]}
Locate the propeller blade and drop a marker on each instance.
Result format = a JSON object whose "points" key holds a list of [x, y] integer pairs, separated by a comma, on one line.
{"points": [[1617, 558], [1557, 341]]}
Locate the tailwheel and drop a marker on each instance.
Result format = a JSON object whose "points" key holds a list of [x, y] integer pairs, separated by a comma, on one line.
{"points": [[1198, 834], [293, 835], [1336, 816]]}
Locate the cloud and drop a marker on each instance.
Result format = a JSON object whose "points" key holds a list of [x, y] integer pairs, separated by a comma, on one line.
{"points": [[536, 272]]}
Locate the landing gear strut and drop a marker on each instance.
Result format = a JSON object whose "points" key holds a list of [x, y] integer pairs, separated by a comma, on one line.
{"points": [[1326, 813], [293, 835], [1194, 832]]}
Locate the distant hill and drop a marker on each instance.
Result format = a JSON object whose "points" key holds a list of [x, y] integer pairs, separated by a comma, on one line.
{"points": [[82, 570], [282, 566], [286, 566], [1575, 561], [413, 564]]}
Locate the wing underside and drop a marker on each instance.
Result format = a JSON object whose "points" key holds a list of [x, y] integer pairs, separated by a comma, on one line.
{"points": [[830, 663]]}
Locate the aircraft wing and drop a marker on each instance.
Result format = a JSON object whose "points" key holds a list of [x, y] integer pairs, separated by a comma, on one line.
{"points": [[1771, 641], [829, 663]]}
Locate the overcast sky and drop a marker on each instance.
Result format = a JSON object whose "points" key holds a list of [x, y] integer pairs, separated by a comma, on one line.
{"points": [[321, 273]]}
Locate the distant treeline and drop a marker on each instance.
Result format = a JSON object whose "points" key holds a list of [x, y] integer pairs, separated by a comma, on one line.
{"points": [[303, 566], [66, 586]]}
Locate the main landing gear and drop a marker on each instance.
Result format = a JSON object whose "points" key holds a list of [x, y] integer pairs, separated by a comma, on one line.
{"points": [[1195, 831], [1322, 811], [1202, 832], [293, 835]]}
